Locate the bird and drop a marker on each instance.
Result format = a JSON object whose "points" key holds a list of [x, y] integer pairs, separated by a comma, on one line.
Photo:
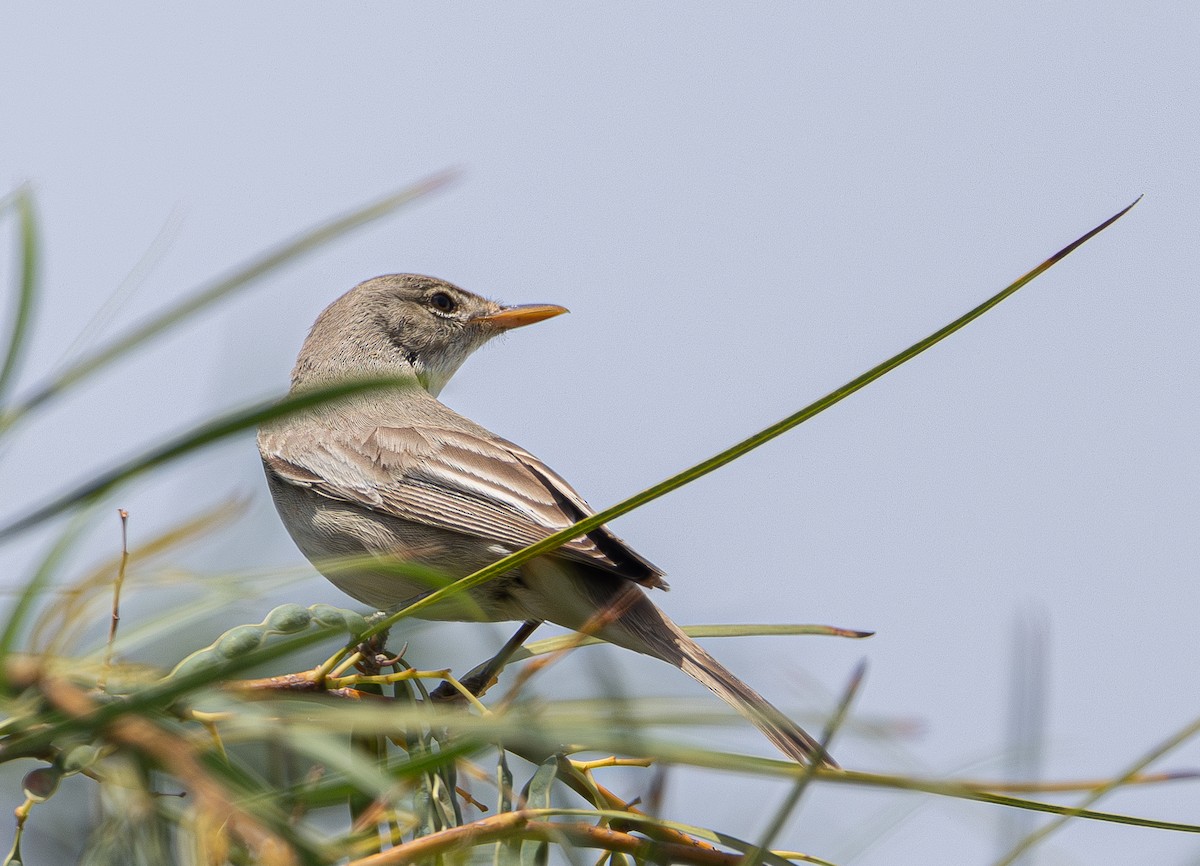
{"points": [[386, 489]]}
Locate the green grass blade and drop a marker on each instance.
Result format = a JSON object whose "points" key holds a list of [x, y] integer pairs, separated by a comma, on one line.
{"points": [[206, 434], [552, 542], [27, 284], [1176, 740], [219, 290], [554, 644]]}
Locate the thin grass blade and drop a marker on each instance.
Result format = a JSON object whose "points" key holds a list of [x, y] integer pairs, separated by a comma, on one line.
{"points": [[37, 584], [27, 288], [225, 287]]}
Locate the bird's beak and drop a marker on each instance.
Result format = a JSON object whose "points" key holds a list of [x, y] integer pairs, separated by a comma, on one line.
{"points": [[520, 316]]}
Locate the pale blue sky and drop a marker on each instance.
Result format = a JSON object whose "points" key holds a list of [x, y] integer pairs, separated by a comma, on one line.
{"points": [[743, 207]]}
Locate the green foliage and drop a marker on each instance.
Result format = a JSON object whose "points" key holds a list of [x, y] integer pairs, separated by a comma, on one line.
{"points": [[269, 763]]}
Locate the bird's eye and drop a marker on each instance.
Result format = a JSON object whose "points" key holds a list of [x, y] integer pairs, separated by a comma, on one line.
{"points": [[442, 302]]}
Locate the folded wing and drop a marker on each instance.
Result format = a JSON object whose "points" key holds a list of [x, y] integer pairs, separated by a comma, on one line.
{"points": [[455, 480]]}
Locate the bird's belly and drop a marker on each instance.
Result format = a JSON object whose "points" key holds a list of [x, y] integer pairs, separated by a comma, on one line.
{"points": [[386, 563]]}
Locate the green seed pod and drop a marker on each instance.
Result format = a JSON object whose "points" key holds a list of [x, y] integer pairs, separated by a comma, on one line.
{"points": [[354, 621], [240, 640], [288, 619], [327, 615]]}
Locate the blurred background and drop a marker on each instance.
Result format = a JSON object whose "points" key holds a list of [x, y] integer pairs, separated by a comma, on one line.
{"points": [[743, 209]]}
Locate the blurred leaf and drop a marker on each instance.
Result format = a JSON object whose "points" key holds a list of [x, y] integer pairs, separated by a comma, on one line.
{"points": [[538, 797], [545, 725], [353, 767], [335, 787], [508, 851]]}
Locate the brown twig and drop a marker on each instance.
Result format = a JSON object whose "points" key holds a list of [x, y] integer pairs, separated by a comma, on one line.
{"points": [[304, 681], [523, 825], [116, 604], [664, 834]]}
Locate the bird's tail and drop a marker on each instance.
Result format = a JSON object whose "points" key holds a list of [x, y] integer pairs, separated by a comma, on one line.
{"points": [[641, 626]]}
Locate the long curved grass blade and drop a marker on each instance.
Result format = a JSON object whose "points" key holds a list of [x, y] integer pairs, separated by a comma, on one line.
{"points": [[27, 282], [206, 434], [220, 289], [552, 542]]}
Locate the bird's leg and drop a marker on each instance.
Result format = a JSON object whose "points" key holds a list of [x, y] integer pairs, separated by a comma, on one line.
{"points": [[482, 676]]}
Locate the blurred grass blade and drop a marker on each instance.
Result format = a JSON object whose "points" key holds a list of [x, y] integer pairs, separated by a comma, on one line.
{"points": [[222, 288], [1026, 718], [206, 434], [42, 575], [100, 321], [754, 858], [27, 283], [552, 542], [365, 776]]}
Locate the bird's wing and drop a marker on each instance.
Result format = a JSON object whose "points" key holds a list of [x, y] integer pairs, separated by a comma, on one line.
{"points": [[456, 480]]}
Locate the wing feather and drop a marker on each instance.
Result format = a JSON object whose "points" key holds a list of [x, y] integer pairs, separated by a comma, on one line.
{"points": [[452, 479]]}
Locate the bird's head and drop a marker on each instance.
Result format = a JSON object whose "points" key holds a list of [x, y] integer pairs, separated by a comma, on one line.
{"points": [[406, 324]]}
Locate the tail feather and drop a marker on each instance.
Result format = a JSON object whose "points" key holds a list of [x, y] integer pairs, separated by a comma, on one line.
{"points": [[789, 737], [642, 627]]}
